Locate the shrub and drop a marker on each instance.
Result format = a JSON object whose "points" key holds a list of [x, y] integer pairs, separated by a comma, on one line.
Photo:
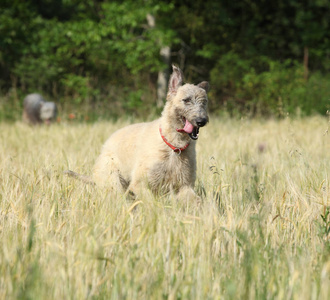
{"points": [[267, 87]]}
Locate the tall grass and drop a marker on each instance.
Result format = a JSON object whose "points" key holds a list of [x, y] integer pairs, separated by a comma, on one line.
{"points": [[262, 231]]}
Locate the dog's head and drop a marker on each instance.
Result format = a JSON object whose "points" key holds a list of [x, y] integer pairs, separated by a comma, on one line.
{"points": [[188, 104], [48, 112]]}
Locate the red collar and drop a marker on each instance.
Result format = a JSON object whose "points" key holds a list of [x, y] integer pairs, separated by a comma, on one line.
{"points": [[175, 149]]}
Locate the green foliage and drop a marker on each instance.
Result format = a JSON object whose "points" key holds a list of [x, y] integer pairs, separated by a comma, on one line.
{"points": [[97, 44], [77, 86], [82, 51], [263, 86]]}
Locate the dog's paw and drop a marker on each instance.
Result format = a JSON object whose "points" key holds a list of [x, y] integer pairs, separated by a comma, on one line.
{"points": [[189, 195]]}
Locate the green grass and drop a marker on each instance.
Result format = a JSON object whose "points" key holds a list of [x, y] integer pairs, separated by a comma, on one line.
{"points": [[262, 231]]}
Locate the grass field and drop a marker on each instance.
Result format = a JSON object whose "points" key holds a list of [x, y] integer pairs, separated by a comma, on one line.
{"points": [[262, 231]]}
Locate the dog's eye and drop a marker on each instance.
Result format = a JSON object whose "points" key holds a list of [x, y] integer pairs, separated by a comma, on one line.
{"points": [[186, 100]]}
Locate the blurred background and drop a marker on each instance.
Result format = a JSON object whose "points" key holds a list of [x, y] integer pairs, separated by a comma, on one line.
{"points": [[106, 59]]}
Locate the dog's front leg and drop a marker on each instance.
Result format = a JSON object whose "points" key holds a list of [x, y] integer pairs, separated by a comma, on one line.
{"points": [[137, 188], [187, 193]]}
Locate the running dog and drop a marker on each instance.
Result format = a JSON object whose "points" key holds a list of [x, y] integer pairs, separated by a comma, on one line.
{"points": [[159, 155]]}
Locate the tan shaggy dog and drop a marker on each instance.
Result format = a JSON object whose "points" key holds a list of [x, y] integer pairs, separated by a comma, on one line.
{"points": [[158, 155]]}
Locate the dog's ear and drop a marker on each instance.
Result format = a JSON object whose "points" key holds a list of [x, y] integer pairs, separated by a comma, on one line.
{"points": [[175, 81], [204, 85]]}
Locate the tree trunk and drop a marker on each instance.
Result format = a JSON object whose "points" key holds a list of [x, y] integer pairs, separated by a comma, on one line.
{"points": [[306, 63], [163, 75]]}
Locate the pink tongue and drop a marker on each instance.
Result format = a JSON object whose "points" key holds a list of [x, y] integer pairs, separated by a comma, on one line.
{"points": [[188, 127]]}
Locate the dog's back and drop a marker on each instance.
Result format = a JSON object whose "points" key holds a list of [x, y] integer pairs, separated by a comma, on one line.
{"points": [[32, 105], [135, 143]]}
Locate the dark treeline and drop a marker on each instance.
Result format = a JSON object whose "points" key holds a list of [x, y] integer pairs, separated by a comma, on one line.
{"points": [[261, 57]]}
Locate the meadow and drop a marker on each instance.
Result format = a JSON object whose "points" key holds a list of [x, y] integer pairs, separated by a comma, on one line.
{"points": [[261, 232]]}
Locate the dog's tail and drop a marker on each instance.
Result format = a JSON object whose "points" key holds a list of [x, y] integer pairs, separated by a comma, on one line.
{"points": [[83, 178]]}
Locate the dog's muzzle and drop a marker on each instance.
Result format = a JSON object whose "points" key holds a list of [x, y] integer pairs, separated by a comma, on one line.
{"points": [[192, 130]]}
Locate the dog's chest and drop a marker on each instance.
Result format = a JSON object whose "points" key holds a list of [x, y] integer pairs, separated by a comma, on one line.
{"points": [[172, 172]]}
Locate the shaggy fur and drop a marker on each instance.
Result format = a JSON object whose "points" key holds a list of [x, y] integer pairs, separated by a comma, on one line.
{"points": [[37, 110], [136, 156]]}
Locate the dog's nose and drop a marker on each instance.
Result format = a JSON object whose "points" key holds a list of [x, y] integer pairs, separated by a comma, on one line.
{"points": [[201, 122]]}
